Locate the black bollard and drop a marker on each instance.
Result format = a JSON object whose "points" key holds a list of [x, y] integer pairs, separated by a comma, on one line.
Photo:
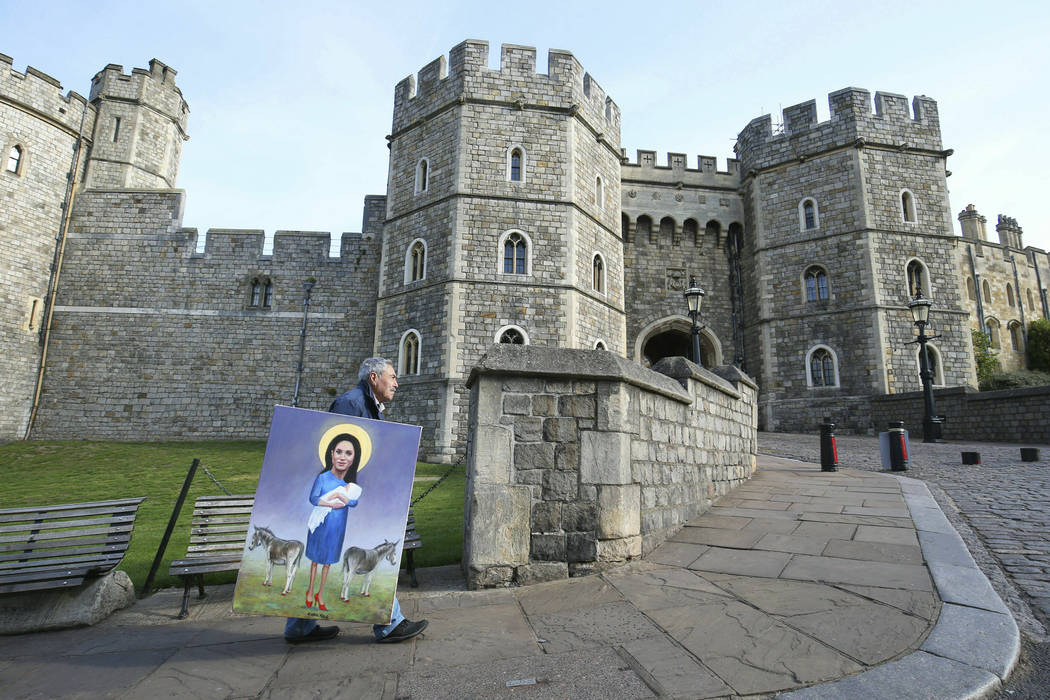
{"points": [[898, 448], [971, 457], [829, 454], [1029, 454]]}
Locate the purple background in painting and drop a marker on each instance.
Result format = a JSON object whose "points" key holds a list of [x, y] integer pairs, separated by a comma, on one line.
{"points": [[291, 464]]}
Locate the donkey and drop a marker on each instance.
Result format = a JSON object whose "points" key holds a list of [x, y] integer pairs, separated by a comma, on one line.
{"points": [[278, 551], [365, 561]]}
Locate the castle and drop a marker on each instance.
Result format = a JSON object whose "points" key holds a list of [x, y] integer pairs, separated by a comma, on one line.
{"points": [[511, 215]]}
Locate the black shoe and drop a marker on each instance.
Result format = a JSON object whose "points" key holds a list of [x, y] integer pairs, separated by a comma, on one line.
{"points": [[405, 630], [317, 634]]}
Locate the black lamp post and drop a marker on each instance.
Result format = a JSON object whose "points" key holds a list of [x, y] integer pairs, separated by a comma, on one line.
{"points": [[308, 286], [694, 296], [920, 314]]}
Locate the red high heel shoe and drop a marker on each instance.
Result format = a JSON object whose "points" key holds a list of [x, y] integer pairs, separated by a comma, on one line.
{"points": [[309, 601], [320, 605]]}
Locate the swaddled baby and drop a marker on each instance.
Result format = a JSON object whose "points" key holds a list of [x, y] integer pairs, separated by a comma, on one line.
{"points": [[349, 492]]}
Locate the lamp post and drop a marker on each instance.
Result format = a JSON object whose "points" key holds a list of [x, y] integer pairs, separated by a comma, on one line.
{"points": [[308, 286], [694, 296], [920, 314]]}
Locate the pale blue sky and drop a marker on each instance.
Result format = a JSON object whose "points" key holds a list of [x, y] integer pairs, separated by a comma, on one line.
{"points": [[290, 102]]}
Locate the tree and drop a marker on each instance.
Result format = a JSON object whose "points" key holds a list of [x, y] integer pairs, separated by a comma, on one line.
{"points": [[984, 356], [1039, 345]]}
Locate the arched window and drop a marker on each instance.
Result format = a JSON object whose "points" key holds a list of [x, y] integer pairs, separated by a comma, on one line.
{"points": [[992, 326], [1009, 294], [918, 278], [907, 207], [599, 193], [645, 229], [713, 232], [516, 164], [515, 250], [14, 159], [416, 261], [625, 228], [666, 230], [422, 175], [808, 214], [1016, 336], [408, 353], [600, 345], [691, 231], [512, 335], [256, 294], [822, 367], [598, 273], [971, 291], [268, 294], [987, 289], [816, 283], [933, 356]]}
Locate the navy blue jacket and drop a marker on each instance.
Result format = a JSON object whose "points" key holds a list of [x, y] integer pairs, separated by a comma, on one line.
{"points": [[359, 401]]}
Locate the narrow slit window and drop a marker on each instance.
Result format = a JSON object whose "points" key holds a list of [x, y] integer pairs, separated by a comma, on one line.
{"points": [[268, 294], [116, 129], [515, 165], [598, 276], [14, 159], [256, 292]]}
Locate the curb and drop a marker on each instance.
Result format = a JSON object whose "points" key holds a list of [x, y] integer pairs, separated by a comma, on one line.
{"points": [[973, 645]]}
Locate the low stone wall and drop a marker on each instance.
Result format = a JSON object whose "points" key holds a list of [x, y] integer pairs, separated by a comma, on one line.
{"points": [[1009, 415], [578, 460]]}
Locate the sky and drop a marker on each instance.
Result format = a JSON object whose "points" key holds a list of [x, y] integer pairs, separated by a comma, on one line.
{"points": [[290, 102]]}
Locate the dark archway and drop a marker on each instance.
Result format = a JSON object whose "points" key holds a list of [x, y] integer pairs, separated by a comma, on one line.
{"points": [[675, 343]]}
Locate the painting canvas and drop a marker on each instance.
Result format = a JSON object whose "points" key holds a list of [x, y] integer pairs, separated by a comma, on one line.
{"points": [[328, 525]]}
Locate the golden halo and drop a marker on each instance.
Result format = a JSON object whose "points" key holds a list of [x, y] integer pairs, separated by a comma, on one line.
{"points": [[357, 431]]}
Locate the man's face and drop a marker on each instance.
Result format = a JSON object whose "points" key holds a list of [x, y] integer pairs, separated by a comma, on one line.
{"points": [[384, 385]]}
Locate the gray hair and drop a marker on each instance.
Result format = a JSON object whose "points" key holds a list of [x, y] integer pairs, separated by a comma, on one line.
{"points": [[372, 364]]}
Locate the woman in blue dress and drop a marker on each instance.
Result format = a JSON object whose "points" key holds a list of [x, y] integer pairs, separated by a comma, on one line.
{"points": [[324, 543]]}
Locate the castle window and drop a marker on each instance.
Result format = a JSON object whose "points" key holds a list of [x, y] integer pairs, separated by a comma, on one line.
{"points": [[971, 290], [416, 261], [1009, 294], [907, 207], [816, 281], [666, 230], [408, 353], [1016, 336], [691, 231], [933, 357], [268, 294], [713, 232], [599, 193], [987, 289], [516, 164], [256, 293], [36, 308], [116, 128], [822, 367], [598, 274], [516, 258], [645, 229], [422, 175], [992, 327], [808, 214], [14, 160], [918, 278], [512, 335], [625, 228], [600, 345]]}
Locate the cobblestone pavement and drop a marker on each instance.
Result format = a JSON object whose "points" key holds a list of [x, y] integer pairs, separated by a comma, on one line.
{"points": [[1000, 507]]}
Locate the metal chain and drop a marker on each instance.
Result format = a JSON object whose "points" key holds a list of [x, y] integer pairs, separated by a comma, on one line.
{"points": [[433, 486], [212, 477]]}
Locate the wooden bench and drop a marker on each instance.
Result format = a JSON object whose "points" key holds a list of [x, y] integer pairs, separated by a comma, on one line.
{"points": [[217, 536], [60, 546]]}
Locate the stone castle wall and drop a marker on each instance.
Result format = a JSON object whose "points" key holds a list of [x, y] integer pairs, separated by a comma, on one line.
{"points": [[580, 460]]}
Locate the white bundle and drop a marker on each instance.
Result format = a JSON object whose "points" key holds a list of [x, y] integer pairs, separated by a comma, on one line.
{"points": [[351, 491]]}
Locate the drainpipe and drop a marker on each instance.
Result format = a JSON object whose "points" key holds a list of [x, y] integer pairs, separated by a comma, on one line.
{"points": [[977, 288], [1020, 304]]}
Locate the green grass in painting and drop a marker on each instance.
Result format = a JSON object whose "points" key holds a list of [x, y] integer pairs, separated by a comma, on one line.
{"points": [[55, 472]]}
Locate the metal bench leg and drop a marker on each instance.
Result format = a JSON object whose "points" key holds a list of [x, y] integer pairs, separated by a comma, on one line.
{"points": [[200, 586], [412, 568], [185, 597]]}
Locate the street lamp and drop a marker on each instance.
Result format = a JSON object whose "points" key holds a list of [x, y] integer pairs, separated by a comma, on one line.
{"points": [[694, 296], [308, 286], [920, 314]]}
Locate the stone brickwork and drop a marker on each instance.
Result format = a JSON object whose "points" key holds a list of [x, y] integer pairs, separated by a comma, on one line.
{"points": [[1010, 415], [579, 460]]}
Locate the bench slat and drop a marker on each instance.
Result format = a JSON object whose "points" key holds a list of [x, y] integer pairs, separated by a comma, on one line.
{"points": [[210, 512], [42, 585], [28, 528], [76, 558], [69, 506], [46, 536], [67, 548], [7, 517]]}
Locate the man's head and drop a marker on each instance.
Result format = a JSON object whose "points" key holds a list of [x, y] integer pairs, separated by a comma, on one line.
{"points": [[381, 377]]}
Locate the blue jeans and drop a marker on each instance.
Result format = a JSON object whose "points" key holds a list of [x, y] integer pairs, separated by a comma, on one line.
{"points": [[300, 626]]}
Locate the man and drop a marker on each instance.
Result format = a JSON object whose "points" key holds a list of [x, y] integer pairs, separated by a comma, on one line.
{"points": [[376, 386]]}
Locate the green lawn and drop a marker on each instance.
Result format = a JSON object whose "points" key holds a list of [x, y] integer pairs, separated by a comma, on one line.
{"points": [[54, 472]]}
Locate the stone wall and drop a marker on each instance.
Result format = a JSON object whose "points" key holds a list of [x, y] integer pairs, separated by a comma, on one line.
{"points": [[1010, 415], [579, 460]]}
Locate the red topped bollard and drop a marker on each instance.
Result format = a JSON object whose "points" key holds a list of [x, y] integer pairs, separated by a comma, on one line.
{"points": [[829, 453], [898, 447]]}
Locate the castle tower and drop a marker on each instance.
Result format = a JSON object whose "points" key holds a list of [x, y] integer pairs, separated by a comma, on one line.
{"points": [[972, 224], [846, 218], [140, 128], [502, 223]]}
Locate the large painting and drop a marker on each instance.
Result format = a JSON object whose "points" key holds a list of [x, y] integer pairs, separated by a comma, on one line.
{"points": [[328, 524]]}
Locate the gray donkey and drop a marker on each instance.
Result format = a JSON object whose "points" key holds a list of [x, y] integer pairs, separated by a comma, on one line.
{"points": [[278, 551], [365, 561]]}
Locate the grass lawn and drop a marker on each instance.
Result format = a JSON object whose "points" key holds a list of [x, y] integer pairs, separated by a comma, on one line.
{"points": [[55, 472]]}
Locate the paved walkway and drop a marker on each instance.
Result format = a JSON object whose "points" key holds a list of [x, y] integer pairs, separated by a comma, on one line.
{"points": [[851, 583]]}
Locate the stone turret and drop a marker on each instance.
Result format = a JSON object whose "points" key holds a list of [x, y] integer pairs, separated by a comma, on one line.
{"points": [[1009, 232], [139, 130], [973, 224]]}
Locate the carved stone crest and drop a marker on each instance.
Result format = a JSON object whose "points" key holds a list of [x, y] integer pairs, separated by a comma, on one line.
{"points": [[675, 279]]}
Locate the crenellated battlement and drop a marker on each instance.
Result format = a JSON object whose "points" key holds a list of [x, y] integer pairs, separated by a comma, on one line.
{"points": [[647, 160], [853, 122], [466, 75], [645, 168], [248, 245], [154, 87], [42, 94]]}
